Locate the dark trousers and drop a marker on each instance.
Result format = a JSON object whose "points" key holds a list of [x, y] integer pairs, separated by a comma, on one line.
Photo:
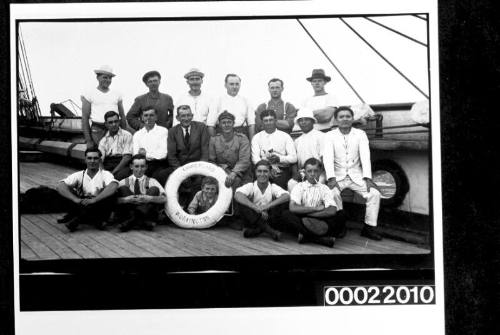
{"points": [[252, 219], [147, 211], [94, 213], [158, 169], [294, 224], [111, 162]]}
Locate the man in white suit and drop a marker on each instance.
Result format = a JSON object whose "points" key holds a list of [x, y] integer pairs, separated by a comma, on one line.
{"points": [[346, 157]]}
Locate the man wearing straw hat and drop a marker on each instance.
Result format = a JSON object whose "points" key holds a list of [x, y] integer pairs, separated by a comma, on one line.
{"points": [[97, 102], [194, 98], [161, 102], [323, 104]]}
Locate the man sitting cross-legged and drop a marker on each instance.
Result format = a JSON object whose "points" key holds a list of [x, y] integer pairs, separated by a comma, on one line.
{"points": [[91, 193], [139, 197], [260, 203], [312, 213]]}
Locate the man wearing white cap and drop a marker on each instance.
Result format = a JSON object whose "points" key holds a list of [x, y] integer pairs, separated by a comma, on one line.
{"points": [[323, 104], [97, 102], [235, 104], [194, 98]]}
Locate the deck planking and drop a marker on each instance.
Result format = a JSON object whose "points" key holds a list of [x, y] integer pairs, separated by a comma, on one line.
{"points": [[34, 174], [44, 239]]}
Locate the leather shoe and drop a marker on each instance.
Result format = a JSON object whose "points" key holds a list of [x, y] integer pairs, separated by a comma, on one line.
{"points": [[65, 218], [371, 233], [126, 225], [149, 225], [72, 224]]}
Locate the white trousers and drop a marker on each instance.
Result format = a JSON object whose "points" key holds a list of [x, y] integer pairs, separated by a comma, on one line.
{"points": [[372, 198]]}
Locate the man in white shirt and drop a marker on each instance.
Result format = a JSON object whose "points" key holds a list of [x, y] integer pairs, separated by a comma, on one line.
{"points": [[98, 101], [151, 141], [261, 203], [323, 104], [116, 147], [235, 104], [139, 197], [194, 98], [275, 146], [90, 193], [346, 155]]}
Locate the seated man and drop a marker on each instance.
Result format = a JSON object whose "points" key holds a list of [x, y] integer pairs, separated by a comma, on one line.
{"points": [[90, 192], [116, 147], [151, 141], [187, 142], [275, 146], [312, 209], [346, 155], [260, 203], [139, 197], [231, 151]]}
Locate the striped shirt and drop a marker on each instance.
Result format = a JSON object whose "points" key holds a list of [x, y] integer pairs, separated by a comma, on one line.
{"points": [[118, 145], [312, 195]]}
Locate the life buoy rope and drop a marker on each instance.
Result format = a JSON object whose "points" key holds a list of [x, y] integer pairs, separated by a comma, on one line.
{"points": [[210, 217]]}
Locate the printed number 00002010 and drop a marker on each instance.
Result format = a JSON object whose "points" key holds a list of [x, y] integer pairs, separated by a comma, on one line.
{"points": [[379, 295]]}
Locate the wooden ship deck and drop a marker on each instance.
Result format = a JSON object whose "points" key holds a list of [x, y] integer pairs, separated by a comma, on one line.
{"points": [[42, 238]]}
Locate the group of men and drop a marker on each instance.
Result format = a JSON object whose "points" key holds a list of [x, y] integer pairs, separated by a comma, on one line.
{"points": [[131, 156]]}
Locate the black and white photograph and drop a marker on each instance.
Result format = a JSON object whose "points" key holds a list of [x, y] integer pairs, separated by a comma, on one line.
{"points": [[228, 144]]}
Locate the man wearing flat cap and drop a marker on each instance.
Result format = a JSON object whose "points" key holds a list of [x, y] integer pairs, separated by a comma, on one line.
{"points": [[194, 98], [323, 104], [231, 151], [161, 102], [97, 102]]}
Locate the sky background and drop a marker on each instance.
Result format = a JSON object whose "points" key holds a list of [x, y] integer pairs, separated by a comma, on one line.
{"points": [[63, 55]]}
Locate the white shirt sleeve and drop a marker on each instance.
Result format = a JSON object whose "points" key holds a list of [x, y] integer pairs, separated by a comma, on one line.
{"points": [[73, 179], [135, 143], [154, 183], [256, 149], [291, 152], [329, 155], [328, 197], [250, 113], [246, 189], [331, 101], [108, 178], [296, 194], [213, 113], [277, 191], [364, 155]]}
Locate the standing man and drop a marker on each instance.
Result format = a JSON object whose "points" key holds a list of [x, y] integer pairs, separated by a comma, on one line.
{"points": [[346, 155], [323, 104], [276, 147], [285, 111], [235, 104], [90, 192], [96, 102], [116, 147], [194, 98], [231, 151], [151, 141], [161, 102]]}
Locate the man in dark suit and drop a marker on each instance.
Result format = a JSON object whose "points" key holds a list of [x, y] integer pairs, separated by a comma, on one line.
{"points": [[187, 142]]}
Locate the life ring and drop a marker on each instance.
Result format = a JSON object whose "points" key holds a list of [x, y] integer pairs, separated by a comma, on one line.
{"points": [[210, 217]]}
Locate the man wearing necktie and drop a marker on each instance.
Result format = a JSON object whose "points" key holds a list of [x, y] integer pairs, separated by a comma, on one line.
{"points": [[139, 197], [187, 142]]}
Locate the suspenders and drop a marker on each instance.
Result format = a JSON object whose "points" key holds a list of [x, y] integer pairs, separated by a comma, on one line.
{"points": [[79, 190]]}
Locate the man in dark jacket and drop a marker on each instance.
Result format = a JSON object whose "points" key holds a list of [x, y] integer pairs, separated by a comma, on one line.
{"points": [[187, 142]]}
